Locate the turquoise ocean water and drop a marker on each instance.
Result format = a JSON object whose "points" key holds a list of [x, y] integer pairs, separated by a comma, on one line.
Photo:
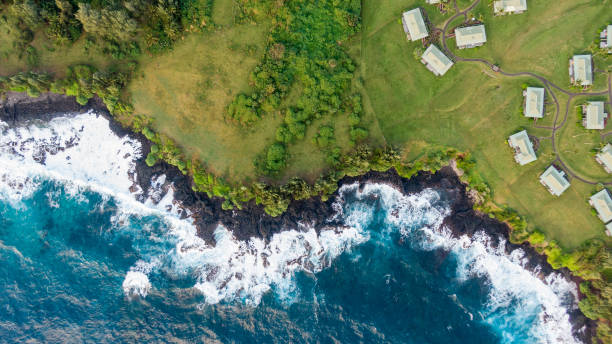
{"points": [[83, 262]]}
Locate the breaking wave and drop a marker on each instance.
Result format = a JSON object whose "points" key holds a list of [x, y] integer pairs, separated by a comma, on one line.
{"points": [[83, 153]]}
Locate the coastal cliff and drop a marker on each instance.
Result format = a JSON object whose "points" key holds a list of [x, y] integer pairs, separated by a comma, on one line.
{"points": [[252, 221]]}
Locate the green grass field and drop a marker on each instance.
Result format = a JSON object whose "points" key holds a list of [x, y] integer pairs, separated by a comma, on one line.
{"points": [[53, 59], [203, 74], [474, 109]]}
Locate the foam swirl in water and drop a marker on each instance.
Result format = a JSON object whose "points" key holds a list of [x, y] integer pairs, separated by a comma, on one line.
{"points": [[82, 151]]}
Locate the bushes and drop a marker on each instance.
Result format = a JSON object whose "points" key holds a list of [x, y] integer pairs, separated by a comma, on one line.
{"points": [[32, 83], [302, 50]]}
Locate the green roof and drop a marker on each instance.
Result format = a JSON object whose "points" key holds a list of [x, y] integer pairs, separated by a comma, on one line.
{"points": [[554, 180], [534, 102], [414, 23], [470, 35], [436, 60], [523, 147], [510, 5], [595, 115], [583, 69]]}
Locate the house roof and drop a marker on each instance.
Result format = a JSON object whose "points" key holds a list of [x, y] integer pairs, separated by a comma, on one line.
{"points": [[605, 156], [510, 5], [602, 202], [609, 229], [534, 102], [433, 1], [436, 59], [470, 35], [609, 33], [520, 141], [583, 69], [415, 24], [595, 116], [554, 180]]}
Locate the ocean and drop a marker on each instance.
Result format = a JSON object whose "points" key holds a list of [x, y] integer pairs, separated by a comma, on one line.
{"points": [[86, 257]]}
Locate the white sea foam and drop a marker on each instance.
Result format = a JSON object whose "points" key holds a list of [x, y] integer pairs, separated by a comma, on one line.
{"points": [[81, 149], [516, 294], [85, 153], [136, 283]]}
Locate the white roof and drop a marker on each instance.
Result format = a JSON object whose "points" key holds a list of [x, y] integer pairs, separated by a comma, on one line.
{"points": [[534, 102], [510, 5], [554, 180], [520, 141], [413, 20], [433, 1], [595, 116], [609, 33], [602, 202], [470, 35], [583, 69], [436, 59], [605, 156]]}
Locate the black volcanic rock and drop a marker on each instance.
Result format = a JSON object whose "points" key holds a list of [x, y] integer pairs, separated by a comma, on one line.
{"points": [[252, 221]]}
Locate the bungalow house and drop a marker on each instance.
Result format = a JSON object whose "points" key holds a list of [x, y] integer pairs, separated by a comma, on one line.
{"points": [[605, 39], [509, 6], [602, 202], [554, 180], [534, 102], [414, 25], [432, 2], [581, 70], [523, 148], [594, 116], [470, 36], [605, 158], [435, 60]]}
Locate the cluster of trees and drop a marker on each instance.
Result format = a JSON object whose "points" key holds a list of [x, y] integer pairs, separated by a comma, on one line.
{"points": [[154, 24], [304, 51]]}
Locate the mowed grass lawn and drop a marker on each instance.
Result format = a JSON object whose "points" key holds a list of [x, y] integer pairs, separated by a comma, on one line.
{"points": [[474, 109], [575, 143]]}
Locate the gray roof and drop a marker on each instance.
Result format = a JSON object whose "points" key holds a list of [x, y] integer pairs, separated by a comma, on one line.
{"points": [[583, 69], [415, 24], [595, 115], [470, 35], [534, 102], [554, 180], [510, 5], [602, 202], [436, 60], [523, 147]]}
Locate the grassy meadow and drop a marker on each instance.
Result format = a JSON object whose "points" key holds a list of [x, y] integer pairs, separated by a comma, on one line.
{"points": [[51, 58], [474, 109]]}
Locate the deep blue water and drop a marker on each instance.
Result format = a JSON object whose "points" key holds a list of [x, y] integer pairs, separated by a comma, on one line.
{"points": [[64, 257]]}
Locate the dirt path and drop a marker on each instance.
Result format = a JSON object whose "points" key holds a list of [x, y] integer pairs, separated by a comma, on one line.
{"points": [[549, 85]]}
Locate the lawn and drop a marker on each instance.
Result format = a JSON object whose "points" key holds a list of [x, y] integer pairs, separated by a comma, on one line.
{"points": [[575, 143], [203, 74], [474, 109]]}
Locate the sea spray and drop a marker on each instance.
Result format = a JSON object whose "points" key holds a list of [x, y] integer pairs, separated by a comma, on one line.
{"points": [[84, 155], [516, 297]]}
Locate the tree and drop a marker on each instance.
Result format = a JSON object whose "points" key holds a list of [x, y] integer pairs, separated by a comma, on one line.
{"points": [[275, 158], [105, 22]]}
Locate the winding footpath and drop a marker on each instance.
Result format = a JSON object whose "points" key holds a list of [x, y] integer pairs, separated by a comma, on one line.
{"points": [[549, 86]]}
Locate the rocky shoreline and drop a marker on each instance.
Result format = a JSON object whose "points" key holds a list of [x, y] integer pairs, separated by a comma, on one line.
{"points": [[252, 221]]}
